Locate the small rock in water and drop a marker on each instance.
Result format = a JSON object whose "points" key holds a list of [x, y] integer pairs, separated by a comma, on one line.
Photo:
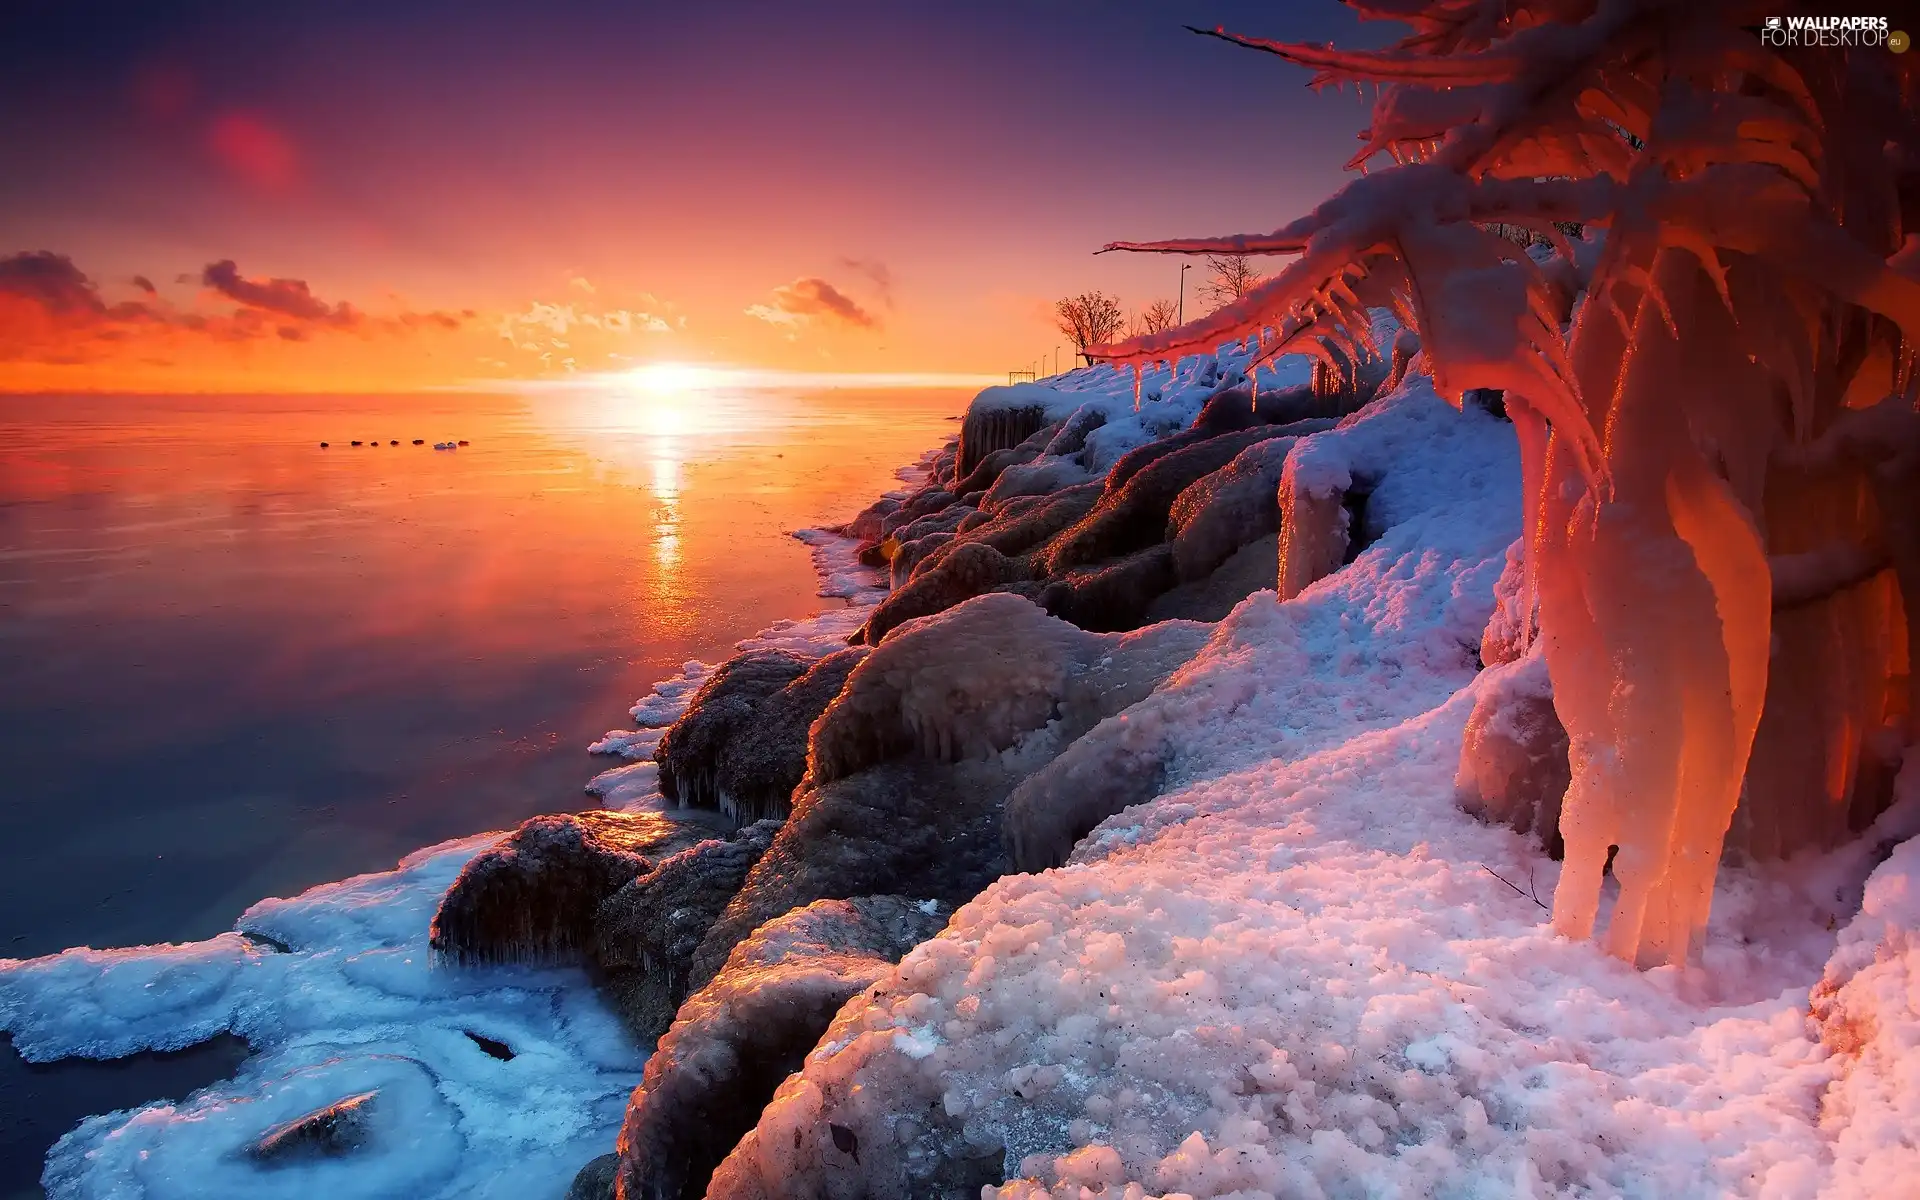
{"points": [[419, 441], [595, 1180], [328, 1132], [356, 442], [463, 441], [323, 445], [394, 442]]}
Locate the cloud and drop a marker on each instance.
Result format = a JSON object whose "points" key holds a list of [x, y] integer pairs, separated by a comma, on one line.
{"points": [[51, 311], [543, 325], [810, 299], [584, 284], [288, 297], [877, 273], [52, 282]]}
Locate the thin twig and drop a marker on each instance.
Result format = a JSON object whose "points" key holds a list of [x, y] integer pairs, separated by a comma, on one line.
{"points": [[1516, 890]]}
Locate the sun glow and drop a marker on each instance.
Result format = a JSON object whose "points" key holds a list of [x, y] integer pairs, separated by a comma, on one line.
{"points": [[671, 379]]}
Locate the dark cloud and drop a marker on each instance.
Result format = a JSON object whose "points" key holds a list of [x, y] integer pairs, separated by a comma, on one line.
{"points": [[287, 297], [52, 282], [876, 273], [812, 298], [51, 311]]}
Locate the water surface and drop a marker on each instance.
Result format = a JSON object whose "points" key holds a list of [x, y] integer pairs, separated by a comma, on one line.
{"points": [[236, 664]]}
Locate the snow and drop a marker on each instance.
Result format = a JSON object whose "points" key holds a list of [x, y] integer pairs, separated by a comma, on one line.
{"points": [[1299, 972]]}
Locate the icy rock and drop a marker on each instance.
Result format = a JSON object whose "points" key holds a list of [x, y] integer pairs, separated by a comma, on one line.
{"points": [[531, 898], [645, 934], [929, 500], [866, 526], [1132, 515], [1223, 511], [1072, 436], [723, 709], [1041, 477], [909, 555], [983, 476], [944, 521], [929, 828], [967, 569], [760, 765], [1114, 595], [749, 1028], [1513, 756], [1000, 418], [595, 1180], [979, 678], [1252, 568], [1025, 523], [339, 1128]]}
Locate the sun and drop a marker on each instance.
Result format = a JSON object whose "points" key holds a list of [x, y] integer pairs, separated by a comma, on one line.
{"points": [[670, 379]]}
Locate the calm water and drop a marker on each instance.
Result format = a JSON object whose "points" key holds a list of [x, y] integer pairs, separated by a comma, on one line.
{"points": [[233, 664]]}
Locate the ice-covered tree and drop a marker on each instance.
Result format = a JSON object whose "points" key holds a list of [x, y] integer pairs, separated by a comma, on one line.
{"points": [[1089, 319], [1715, 394]]}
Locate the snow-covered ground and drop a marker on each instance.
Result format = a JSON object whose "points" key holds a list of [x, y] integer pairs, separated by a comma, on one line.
{"points": [[1299, 972]]}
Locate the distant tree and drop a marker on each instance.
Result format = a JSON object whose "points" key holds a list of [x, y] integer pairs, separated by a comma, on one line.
{"points": [[1157, 317], [1233, 277], [1089, 319]]}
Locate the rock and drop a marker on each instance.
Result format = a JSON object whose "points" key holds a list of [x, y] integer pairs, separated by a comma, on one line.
{"points": [[758, 770], [928, 500], [933, 828], [1513, 757], [723, 708], [1113, 768], [595, 1180], [989, 469], [992, 426], [1223, 511], [1134, 514], [1112, 596], [532, 897], [339, 1128], [912, 554], [1252, 568], [746, 1031], [1073, 432], [968, 569], [866, 526], [645, 934]]}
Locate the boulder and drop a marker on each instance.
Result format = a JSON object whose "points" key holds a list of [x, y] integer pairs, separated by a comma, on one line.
{"points": [[532, 897], [645, 934], [743, 1033], [723, 709]]}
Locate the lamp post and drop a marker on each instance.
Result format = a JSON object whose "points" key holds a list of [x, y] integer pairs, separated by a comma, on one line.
{"points": [[1182, 318]]}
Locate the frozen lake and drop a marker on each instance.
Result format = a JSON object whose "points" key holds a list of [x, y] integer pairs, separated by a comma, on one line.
{"points": [[237, 664]]}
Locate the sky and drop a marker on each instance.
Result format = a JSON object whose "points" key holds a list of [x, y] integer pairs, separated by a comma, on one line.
{"points": [[356, 196]]}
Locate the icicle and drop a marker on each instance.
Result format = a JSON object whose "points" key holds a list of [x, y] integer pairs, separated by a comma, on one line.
{"points": [[1253, 384], [1136, 387]]}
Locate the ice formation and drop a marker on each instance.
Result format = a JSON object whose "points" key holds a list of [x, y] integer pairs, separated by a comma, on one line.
{"points": [[1738, 379]]}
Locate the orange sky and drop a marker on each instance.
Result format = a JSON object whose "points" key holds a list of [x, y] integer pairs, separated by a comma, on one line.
{"points": [[216, 197]]}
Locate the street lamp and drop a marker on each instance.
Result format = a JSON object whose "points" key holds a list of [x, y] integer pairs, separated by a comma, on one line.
{"points": [[1182, 318]]}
